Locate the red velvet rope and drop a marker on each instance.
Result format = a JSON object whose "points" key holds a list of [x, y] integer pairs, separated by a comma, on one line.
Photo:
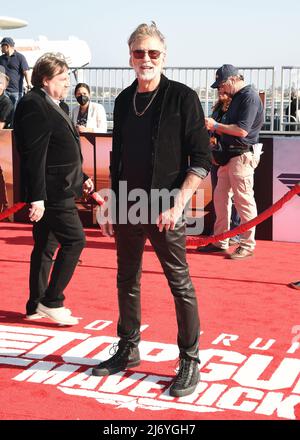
{"points": [[201, 241]]}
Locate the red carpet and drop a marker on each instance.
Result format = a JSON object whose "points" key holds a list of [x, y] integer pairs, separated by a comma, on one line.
{"points": [[250, 363]]}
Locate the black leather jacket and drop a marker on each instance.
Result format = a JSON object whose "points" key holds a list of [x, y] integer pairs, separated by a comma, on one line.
{"points": [[179, 137]]}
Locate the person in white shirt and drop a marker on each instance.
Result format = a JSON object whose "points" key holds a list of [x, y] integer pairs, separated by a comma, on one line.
{"points": [[88, 116]]}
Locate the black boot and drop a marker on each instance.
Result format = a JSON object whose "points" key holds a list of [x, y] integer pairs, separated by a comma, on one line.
{"points": [[126, 356], [187, 378]]}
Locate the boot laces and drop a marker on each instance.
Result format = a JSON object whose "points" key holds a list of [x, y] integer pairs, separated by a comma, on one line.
{"points": [[118, 350]]}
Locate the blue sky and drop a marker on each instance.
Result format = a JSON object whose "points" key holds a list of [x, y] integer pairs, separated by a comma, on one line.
{"points": [[199, 32]]}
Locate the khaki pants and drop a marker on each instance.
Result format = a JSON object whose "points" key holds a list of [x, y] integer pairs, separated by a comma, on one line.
{"points": [[236, 179]]}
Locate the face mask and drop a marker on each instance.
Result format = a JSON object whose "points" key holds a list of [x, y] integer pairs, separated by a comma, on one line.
{"points": [[82, 99]]}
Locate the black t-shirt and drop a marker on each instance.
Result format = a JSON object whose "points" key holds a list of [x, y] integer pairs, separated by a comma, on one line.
{"points": [[246, 111], [6, 111], [137, 144]]}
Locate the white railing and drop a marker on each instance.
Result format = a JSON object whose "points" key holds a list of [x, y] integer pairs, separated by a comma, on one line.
{"points": [[275, 91]]}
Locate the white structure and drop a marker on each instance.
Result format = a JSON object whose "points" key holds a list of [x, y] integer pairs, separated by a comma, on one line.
{"points": [[76, 51]]}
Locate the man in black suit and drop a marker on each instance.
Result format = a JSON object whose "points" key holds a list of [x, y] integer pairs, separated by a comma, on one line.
{"points": [[51, 178]]}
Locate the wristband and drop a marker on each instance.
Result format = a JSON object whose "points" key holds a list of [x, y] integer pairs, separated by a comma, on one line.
{"points": [[215, 126]]}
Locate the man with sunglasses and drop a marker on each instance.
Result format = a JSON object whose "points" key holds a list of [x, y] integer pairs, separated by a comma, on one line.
{"points": [[159, 143], [238, 138]]}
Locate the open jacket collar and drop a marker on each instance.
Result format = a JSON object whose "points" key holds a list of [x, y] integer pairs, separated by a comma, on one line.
{"points": [[58, 109]]}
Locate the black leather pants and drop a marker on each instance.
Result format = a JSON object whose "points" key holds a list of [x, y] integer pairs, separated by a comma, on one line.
{"points": [[171, 251]]}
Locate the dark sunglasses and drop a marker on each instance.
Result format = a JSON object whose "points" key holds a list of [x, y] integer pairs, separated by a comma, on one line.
{"points": [[153, 54]]}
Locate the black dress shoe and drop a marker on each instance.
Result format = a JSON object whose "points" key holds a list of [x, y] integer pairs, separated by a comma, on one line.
{"points": [[126, 356], [187, 378], [210, 248], [295, 285]]}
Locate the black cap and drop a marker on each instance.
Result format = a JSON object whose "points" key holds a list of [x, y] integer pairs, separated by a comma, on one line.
{"points": [[7, 40], [223, 73]]}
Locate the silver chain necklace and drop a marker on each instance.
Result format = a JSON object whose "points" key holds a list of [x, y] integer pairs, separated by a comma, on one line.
{"points": [[147, 106]]}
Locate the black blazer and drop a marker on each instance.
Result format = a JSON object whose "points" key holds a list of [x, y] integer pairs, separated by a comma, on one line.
{"points": [[179, 137], [49, 148]]}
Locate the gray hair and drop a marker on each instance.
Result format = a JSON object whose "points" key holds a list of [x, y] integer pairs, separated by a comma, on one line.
{"points": [[143, 31]]}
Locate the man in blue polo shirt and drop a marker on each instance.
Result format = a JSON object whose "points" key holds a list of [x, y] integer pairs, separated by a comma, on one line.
{"points": [[16, 68], [238, 135]]}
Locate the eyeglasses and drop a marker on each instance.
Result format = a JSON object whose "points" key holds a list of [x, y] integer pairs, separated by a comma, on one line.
{"points": [[140, 54]]}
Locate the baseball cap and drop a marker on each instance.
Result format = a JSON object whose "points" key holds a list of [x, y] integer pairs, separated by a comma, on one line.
{"points": [[7, 40], [223, 73]]}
